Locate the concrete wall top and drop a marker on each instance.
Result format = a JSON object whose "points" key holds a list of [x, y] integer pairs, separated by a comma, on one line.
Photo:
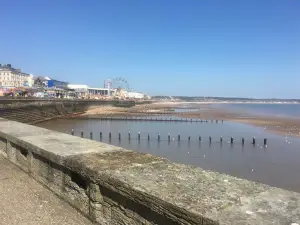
{"points": [[43, 141], [184, 193]]}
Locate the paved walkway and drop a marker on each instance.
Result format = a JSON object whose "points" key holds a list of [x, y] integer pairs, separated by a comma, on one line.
{"points": [[24, 201]]}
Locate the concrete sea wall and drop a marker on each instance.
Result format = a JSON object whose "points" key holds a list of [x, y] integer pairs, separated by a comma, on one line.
{"points": [[111, 185], [37, 110]]}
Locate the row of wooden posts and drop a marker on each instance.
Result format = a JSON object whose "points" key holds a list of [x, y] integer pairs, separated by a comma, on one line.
{"points": [[169, 137], [159, 119]]}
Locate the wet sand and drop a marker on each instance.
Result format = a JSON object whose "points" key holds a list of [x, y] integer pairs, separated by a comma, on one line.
{"points": [[280, 125], [136, 110]]}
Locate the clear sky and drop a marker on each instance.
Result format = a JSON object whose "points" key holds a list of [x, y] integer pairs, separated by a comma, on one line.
{"points": [[229, 48]]}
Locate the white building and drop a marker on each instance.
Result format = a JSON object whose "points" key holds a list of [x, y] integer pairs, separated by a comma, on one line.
{"points": [[136, 95], [10, 77], [83, 89], [80, 89], [30, 81], [100, 91]]}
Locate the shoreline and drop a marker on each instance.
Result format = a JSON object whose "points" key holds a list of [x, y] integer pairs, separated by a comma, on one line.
{"points": [[228, 102], [288, 126]]}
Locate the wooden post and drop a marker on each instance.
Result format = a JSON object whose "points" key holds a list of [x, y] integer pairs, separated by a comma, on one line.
{"points": [[158, 137], [231, 140], [100, 136], [243, 141], [72, 132], [91, 135], [129, 135], [81, 133], [209, 139], [265, 141]]}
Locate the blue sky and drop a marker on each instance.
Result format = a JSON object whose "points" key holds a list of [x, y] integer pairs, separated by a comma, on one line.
{"points": [[196, 48]]}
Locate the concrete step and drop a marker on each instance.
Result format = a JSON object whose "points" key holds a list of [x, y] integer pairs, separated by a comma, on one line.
{"points": [[19, 118]]}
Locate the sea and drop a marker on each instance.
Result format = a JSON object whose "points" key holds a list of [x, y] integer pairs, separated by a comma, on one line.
{"points": [[282, 110], [276, 164]]}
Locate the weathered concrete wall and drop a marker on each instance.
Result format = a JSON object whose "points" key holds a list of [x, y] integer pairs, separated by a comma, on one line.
{"points": [[82, 103], [24, 102], [37, 110], [111, 185]]}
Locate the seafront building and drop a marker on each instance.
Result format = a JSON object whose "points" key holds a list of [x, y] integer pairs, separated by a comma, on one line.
{"points": [[14, 82], [84, 90], [137, 95], [11, 77], [48, 82]]}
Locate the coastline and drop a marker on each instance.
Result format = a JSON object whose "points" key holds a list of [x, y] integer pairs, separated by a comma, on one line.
{"points": [[228, 102], [288, 126]]}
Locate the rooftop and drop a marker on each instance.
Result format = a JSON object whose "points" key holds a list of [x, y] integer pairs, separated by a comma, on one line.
{"points": [[10, 68]]}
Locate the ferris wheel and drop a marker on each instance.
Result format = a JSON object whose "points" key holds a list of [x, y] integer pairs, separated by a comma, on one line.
{"points": [[119, 83]]}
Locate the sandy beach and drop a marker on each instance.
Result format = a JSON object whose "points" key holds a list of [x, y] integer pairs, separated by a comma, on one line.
{"points": [[281, 125]]}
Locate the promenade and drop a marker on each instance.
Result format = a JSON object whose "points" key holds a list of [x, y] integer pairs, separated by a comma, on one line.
{"points": [[24, 201]]}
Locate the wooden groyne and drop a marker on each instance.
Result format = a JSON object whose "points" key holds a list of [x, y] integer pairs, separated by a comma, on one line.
{"points": [[151, 119], [159, 138]]}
